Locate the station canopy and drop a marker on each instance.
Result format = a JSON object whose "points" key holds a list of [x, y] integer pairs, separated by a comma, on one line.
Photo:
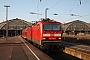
{"points": [[15, 24]]}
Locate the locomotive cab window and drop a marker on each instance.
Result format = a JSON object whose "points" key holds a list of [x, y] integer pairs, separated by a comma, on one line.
{"points": [[51, 26]]}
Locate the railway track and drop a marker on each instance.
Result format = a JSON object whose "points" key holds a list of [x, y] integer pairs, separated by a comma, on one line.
{"points": [[15, 49], [61, 55], [82, 40], [38, 53], [55, 55]]}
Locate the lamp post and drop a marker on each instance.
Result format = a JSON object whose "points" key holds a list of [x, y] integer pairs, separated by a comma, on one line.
{"points": [[6, 20], [46, 12], [75, 15], [55, 14], [34, 13]]}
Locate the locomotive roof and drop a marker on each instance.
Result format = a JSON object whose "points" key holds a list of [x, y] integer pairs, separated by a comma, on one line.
{"points": [[47, 20]]}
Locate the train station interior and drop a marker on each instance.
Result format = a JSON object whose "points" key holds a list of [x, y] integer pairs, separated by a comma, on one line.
{"points": [[15, 27], [76, 27]]}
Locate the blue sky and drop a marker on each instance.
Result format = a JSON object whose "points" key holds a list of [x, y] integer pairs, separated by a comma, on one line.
{"points": [[21, 8]]}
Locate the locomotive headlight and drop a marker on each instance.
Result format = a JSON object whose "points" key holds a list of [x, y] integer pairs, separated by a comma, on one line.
{"points": [[44, 38], [59, 38]]}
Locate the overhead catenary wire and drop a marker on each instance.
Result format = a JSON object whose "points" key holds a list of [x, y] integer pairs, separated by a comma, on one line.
{"points": [[39, 1], [73, 6], [55, 4], [15, 11], [38, 5], [72, 9], [81, 16], [65, 7], [80, 3]]}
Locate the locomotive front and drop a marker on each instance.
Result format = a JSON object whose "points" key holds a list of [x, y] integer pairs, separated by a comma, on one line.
{"points": [[51, 35]]}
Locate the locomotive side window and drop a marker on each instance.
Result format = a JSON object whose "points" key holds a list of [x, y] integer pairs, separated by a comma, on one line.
{"points": [[51, 26]]}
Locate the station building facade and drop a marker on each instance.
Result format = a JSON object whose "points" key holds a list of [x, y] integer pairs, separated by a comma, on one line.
{"points": [[76, 27], [15, 27]]}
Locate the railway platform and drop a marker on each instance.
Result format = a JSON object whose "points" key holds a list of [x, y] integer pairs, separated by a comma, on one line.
{"points": [[15, 48], [77, 45], [78, 50]]}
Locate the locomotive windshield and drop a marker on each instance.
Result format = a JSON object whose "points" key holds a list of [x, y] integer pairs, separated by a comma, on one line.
{"points": [[51, 26]]}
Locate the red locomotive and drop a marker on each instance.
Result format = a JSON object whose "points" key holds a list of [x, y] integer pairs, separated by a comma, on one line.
{"points": [[46, 34]]}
